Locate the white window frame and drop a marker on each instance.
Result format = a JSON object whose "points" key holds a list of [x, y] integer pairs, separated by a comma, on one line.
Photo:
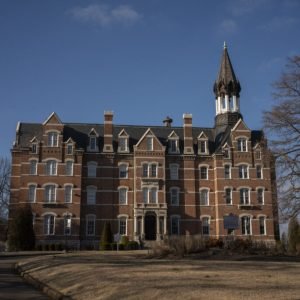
{"points": [[91, 195], [33, 164], [34, 148], [123, 195], [93, 142], [150, 194], [90, 222], [200, 143], [263, 219], [203, 167], [52, 138], [228, 196], [69, 168], [205, 225], [67, 224], [149, 143], [122, 225], [51, 167], [243, 171], [246, 225], [259, 172], [242, 144], [258, 189], [148, 168], [68, 195], [123, 170], [173, 145], [50, 193], [229, 173], [244, 196], [32, 193], [49, 224], [226, 153], [174, 196], [204, 192], [123, 144], [69, 149]]}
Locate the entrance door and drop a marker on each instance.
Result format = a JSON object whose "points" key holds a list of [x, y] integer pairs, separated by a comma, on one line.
{"points": [[150, 227]]}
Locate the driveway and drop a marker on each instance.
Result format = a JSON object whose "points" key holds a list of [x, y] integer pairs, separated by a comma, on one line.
{"points": [[12, 286]]}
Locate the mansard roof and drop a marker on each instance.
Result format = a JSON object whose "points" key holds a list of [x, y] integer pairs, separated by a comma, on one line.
{"points": [[79, 132]]}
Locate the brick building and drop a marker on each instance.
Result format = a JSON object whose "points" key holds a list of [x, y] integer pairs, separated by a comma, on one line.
{"points": [[147, 181]]}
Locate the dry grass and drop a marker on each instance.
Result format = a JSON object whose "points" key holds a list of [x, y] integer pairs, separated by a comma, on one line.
{"points": [[94, 275]]}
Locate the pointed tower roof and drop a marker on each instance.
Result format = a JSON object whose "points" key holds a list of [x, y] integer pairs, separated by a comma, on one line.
{"points": [[226, 83]]}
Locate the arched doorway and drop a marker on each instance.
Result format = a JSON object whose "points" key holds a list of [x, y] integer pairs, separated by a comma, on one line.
{"points": [[150, 227]]}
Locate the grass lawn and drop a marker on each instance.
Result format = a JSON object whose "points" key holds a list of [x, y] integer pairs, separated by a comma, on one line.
{"points": [[130, 275]]}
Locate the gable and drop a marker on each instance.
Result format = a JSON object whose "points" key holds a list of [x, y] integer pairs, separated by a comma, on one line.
{"points": [[142, 143], [123, 133], [173, 135], [240, 126], [53, 119], [202, 136]]}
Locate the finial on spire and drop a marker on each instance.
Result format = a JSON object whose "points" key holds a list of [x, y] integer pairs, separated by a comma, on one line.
{"points": [[225, 46]]}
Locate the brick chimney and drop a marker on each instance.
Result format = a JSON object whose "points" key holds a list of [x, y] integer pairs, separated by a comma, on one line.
{"points": [[108, 132], [187, 132]]}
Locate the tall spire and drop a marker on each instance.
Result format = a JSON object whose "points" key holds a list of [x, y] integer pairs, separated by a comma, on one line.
{"points": [[226, 83], [227, 91]]}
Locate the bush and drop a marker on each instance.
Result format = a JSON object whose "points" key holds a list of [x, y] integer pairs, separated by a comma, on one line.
{"points": [[214, 243], [21, 234], [132, 245], [293, 235], [106, 237], [124, 240]]}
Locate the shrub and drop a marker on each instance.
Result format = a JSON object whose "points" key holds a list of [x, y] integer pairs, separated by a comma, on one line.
{"points": [[293, 235], [124, 240], [106, 237], [214, 243], [132, 245], [21, 234]]}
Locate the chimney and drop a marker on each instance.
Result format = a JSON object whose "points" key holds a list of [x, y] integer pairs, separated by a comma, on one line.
{"points": [[108, 132], [187, 132], [168, 121]]}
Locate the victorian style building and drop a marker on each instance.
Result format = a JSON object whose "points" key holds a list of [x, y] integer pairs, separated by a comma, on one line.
{"points": [[147, 181]]}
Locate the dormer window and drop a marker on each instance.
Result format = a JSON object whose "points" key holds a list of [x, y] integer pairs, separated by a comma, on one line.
{"points": [[69, 149], [52, 139], [226, 153], [202, 143], [34, 148], [242, 144], [93, 141], [258, 154], [123, 144]]}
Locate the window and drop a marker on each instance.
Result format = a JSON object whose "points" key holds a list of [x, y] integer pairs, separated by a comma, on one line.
{"points": [[243, 171], [92, 169], [34, 148], [90, 224], [203, 173], [242, 144], [52, 139], [49, 224], [51, 167], [244, 196], [122, 196], [67, 225], [257, 154], [260, 196], [205, 226], [68, 194], [31, 193], [149, 143], [149, 170], [69, 149], [150, 195], [173, 146], [246, 225], [226, 153], [175, 225], [33, 167], [262, 225], [223, 103], [259, 172], [228, 196], [227, 172], [93, 143], [123, 144], [174, 171], [204, 197], [91, 194], [69, 168], [50, 193], [122, 226], [123, 171], [202, 146], [174, 194]]}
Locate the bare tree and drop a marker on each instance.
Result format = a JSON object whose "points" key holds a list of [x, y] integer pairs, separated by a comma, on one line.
{"points": [[283, 124], [5, 168]]}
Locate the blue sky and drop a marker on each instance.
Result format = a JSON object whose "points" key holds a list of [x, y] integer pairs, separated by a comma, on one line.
{"points": [[142, 59]]}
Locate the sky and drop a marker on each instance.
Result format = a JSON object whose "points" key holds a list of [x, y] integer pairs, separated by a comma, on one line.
{"points": [[142, 59]]}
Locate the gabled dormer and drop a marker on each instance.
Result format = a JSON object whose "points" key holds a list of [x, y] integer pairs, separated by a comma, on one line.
{"points": [[34, 145], [257, 152], [123, 142], [53, 128], [241, 136], [226, 151], [173, 143], [69, 146], [93, 141], [202, 144], [149, 142]]}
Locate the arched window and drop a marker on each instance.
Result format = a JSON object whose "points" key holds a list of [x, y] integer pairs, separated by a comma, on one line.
{"points": [[175, 221], [242, 145], [204, 197], [90, 224], [205, 225], [174, 168], [246, 225], [262, 225], [52, 139], [174, 195], [92, 169], [203, 172], [50, 193], [69, 168], [68, 194], [243, 172], [51, 167], [91, 194], [123, 195], [244, 196], [33, 167], [122, 225], [32, 193], [123, 170], [67, 224], [49, 224]]}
